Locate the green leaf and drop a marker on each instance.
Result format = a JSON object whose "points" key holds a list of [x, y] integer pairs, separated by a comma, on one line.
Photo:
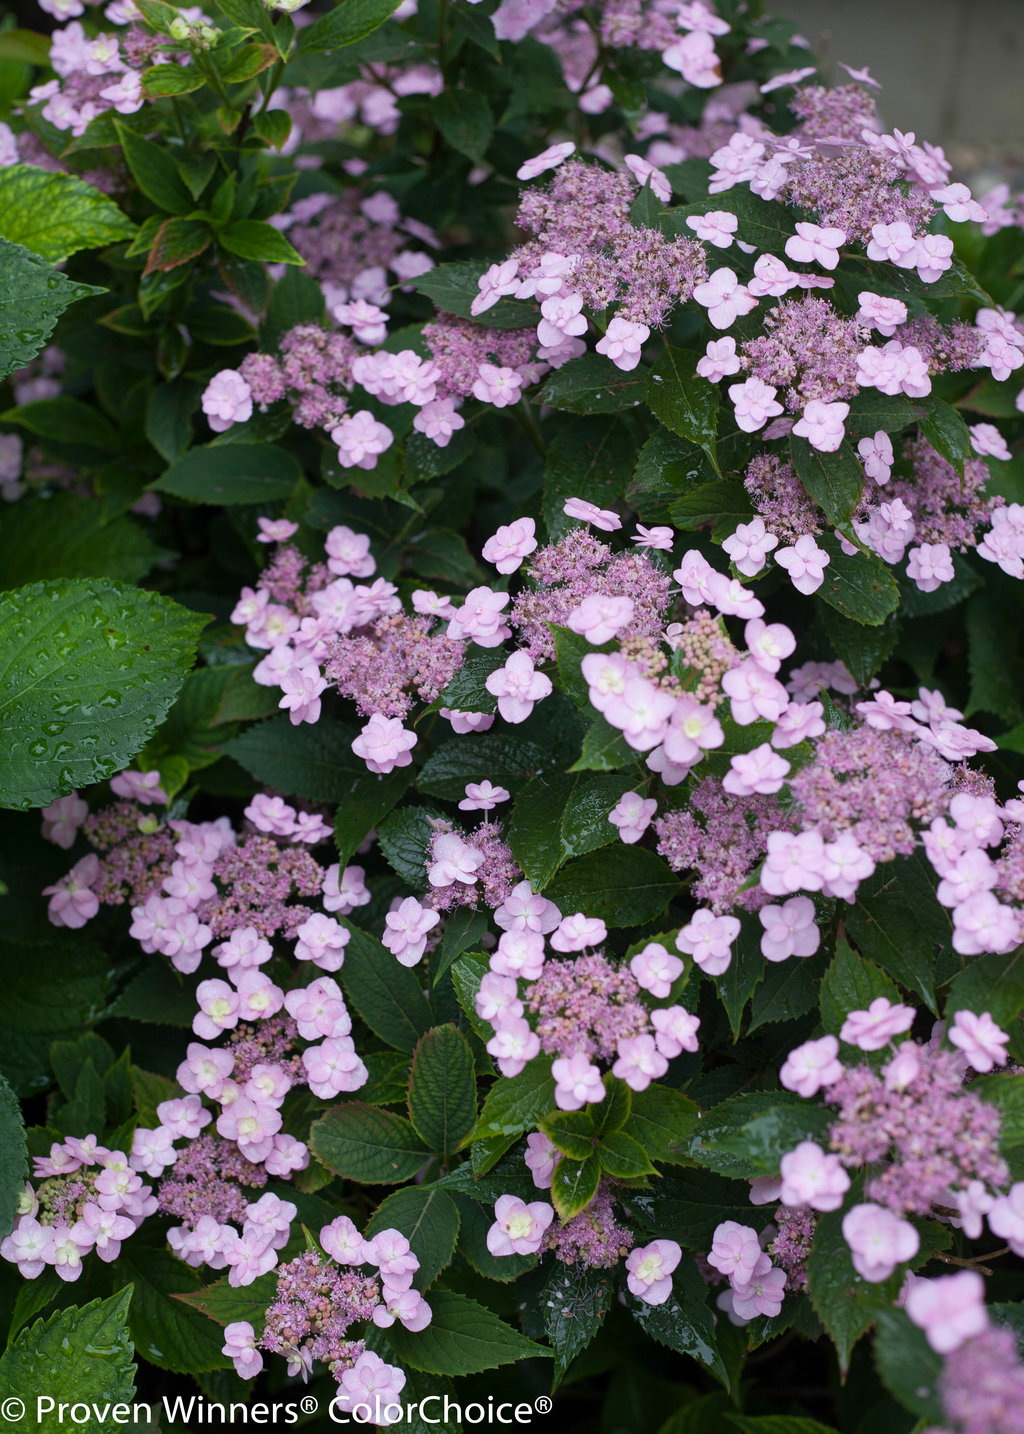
{"points": [[572, 1131], [255, 239], [513, 1106], [463, 1337], [312, 760], [686, 403], [168, 417], [661, 1120], [688, 1207], [622, 1157], [585, 824], [367, 1144], [465, 121], [453, 287], [232, 473], [166, 1332], [388, 996], [507, 761], [946, 431], [762, 222], [684, 1322], [860, 586], [177, 242], [442, 1089], [155, 172], [715, 503], [463, 928], [428, 1219], [1006, 1093], [533, 831], [403, 838], [871, 411], [65, 537], [467, 690], [32, 298], [66, 420], [834, 480], [88, 670], [907, 1365], [344, 25], [574, 1184], [897, 922], [592, 384], [13, 1157], [591, 458], [87, 1355], [370, 799], [166, 81], [51, 989], [225, 1303], [296, 298], [56, 214], [604, 749], [575, 1301], [851, 984], [748, 1135], [995, 671], [667, 464], [862, 649], [993, 983], [624, 886], [846, 1305]]}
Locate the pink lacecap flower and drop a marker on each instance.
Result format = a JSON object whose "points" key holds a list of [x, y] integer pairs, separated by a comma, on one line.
{"points": [[649, 1270], [812, 1067], [577, 1082], [587, 512], [749, 546], [822, 425], [805, 562], [511, 544], [481, 618], [980, 1039], [574, 933], [754, 403], [877, 456], [141, 787], [950, 1309], [789, 929], [632, 814], [725, 299], [541, 1158], [675, 1030], [549, 158], [708, 939], [226, 400], [987, 441], [483, 797], [811, 1177], [881, 313], [453, 860], [645, 173], [240, 1347], [811, 244], [878, 1240], [360, 440], [874, 1028], [519, 1228], [760, 770], [720, 359], [639, 1061], [518, 687], [522, 910], [659, 537], [384, 744], [497, 385], [62, 819], [370, 1383], [623, 342], [735, 1251], [655, 968], [694, 57], [716, 227], [601, 617]]}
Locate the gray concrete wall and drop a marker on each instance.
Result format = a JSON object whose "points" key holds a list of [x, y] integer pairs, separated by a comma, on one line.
{"points": [[951, 70]]}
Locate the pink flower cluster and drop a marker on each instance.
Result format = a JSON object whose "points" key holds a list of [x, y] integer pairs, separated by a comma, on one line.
{"points": [[756, 1286]]}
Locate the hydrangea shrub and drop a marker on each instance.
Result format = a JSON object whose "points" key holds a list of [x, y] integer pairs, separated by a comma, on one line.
{"points": [[513, 860]]}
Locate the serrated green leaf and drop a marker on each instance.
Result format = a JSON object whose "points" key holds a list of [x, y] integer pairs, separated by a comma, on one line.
{"points": [[65, 536], [428, 1219], [851, 983], [166, 1332], [624, 886], [591, 458], [573, 1132], [574, 1184], [313, 760], [515, 1105], [688, 1207], [155, 172], [33, 295], [255, 239], [686, 403], [465, 121], [87, 1354], [442, 1089], [834, 480], [592, 384], [622, 1157], [463, 1337], [897, 922], [907, 1365], [367, 1144], [661, 1121], [684, 1322], [748, 1135], [993, 983], [860, 586], [506, 761], [946, 431], [13, 1157], [231, 473], [88, 669], [345, 24], [575, 1301], [388, 996], [55, 214], [370, 799], [453, 287]]}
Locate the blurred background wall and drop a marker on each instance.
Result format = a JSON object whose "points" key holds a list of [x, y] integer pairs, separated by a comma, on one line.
{"points": [[951, 70]]}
